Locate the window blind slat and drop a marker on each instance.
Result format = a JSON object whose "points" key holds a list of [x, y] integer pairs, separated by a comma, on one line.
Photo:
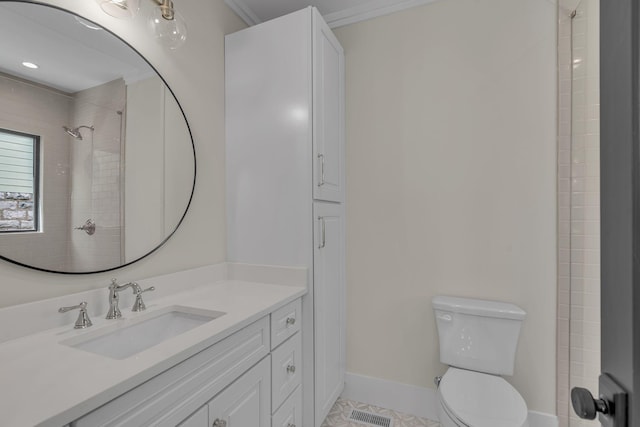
{"points": [[16, 182], [26, 178], [16, 139], [19, 148], [8, 159], [17, 168], [16, 162]]}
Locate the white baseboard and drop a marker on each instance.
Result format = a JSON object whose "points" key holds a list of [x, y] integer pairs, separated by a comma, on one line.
{"points": [[411, 399], [540, 419]]}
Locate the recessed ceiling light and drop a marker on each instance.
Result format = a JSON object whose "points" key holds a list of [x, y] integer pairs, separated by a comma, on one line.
{"points": [[30, 65]]}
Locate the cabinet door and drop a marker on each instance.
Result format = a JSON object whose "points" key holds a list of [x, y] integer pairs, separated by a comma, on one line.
{"points": [[246, 402], [328, 113], [329, 296], [268, 142]]}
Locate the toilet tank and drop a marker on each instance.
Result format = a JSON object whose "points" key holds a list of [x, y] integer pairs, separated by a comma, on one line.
{"points": [[478, 335]]}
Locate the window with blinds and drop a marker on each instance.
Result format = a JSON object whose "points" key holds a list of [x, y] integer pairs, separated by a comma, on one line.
{"points": [[18, 181]]}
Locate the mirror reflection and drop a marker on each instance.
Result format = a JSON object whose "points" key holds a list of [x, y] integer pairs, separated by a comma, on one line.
{"points": [[96, 159]]}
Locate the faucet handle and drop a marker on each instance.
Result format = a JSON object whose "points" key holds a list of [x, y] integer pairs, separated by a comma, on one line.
{"points": [[139, 304], [83, 317]]}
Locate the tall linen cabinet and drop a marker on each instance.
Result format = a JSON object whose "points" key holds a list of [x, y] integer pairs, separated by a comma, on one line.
{"points": [[286, 180]]}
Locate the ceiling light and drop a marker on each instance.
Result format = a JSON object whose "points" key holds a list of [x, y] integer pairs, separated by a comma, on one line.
{"points": [[122, 9], [30, 65], [167, 24]]}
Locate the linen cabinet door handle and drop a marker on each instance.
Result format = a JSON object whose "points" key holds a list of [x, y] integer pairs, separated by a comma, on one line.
{"points": [[323, 234], [321, 157], [219, 423]]}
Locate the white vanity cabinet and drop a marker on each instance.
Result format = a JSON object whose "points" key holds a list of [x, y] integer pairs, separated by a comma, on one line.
{"points": [[285, 178], [240, 381], [244, 403]]}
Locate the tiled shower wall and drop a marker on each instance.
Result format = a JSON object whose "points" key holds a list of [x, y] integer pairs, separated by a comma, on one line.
{"points": [[564, 213], [578, 201], [96, 183]]}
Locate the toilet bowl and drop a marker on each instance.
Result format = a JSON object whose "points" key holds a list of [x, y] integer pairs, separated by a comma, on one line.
{"points": [[478, 340], [473, 399]]}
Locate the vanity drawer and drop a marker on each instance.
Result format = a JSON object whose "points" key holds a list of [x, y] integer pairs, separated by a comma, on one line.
{"points": [[172, 396], [290, 413], [285, 322], [286, 370]]}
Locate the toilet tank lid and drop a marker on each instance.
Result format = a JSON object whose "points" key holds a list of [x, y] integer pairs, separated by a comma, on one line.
{"points": [[479, 307]]}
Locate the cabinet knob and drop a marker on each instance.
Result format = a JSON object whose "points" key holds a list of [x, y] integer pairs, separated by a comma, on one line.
{"points": [[291, 369], [219, 423], [291, 425], [291, 321]]}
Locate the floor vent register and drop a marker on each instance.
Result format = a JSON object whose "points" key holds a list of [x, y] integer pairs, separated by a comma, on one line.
{"points": [[369, 419]]}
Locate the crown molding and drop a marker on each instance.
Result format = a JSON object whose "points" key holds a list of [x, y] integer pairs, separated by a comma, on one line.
{"points": [[370, 10], [243, 11]]}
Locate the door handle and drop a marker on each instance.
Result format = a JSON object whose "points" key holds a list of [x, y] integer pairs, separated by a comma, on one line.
{"points": [[585, 405], [612, 405]]}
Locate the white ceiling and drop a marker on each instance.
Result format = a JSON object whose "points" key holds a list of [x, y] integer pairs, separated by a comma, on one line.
{"points": [[335, 12], [71, 56]]}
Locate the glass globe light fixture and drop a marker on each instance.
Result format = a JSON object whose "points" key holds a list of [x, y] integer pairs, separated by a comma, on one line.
{"points": [[122, 9], [168, 25]]}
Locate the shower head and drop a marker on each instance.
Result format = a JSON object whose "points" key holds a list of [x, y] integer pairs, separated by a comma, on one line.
{"points": [[75, 132]]}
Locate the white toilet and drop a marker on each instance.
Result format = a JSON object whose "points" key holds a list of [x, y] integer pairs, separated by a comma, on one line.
{"points": [[478, 341]]}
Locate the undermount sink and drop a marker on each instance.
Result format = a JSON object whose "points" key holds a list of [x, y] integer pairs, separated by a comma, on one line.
{"points": [[131, 336]]}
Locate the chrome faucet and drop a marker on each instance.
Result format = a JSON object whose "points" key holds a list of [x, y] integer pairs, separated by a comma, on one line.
{"points": [[137, 291], [83, 318], [114, 298]]}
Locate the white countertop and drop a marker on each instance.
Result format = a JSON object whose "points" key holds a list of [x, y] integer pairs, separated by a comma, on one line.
{"points": [[46, 383]]}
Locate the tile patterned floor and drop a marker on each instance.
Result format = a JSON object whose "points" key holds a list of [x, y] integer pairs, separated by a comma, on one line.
{"points": [[338, 416]]}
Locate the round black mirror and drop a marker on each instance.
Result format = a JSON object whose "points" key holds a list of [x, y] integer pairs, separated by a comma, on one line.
{"points": [[97, 162]]}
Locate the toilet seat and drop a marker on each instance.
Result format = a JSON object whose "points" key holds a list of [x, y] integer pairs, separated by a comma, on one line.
{"points": [[475, 399]]}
